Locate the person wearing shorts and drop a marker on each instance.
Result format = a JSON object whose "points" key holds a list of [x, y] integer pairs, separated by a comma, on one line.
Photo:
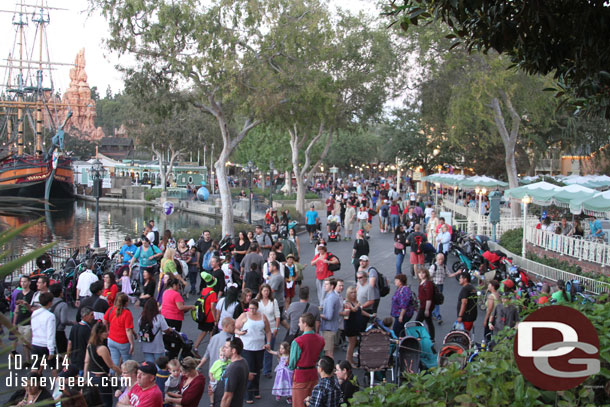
{"points": [[211, 299], [311, 222]]}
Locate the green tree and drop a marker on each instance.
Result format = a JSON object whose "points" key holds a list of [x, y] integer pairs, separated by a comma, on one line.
{"points": [[566, 38], [216, 49]]}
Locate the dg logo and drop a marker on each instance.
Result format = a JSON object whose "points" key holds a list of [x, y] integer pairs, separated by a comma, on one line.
{"points": [[557, 348]]}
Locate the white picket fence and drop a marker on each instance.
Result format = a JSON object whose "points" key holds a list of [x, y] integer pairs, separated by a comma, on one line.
{"points": [[581, 249]]}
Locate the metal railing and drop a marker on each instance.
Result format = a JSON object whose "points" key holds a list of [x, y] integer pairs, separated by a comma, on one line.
{"points": [[550, 273], [58, 257], [581, 249]]}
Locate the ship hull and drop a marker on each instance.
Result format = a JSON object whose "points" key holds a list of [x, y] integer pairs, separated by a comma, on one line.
{"points": [[27, 177]]}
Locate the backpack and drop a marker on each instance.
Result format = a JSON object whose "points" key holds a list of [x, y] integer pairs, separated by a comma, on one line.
{"points": [[206, 260], [334, 267], [381, 284], [146, 332], [198, 313], [384, 211], [419, 249], [413, 305], [438, 296]]}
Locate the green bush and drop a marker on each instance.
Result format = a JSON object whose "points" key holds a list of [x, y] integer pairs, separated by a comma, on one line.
{"points": [[493, 379], [555, 263], [152, 194], [512, 240]]}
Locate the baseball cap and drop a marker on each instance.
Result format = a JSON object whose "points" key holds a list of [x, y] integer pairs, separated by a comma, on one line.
{"points": [[290, 256], [148, 368], [364, 257]]}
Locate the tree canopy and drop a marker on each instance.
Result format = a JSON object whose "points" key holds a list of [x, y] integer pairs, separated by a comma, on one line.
{"points": [[565, 38]]}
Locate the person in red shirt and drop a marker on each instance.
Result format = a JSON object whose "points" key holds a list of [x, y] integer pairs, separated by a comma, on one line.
{"points": [[110, 288], [209, 306], [321, 262], [426, 300], [173, 305], [330, 205], [120, 332], [145, 393]]}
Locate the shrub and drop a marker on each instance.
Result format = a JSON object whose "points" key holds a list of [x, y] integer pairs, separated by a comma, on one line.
{"points": [[512, 240], [555, 263], [493, 379], [215, 231], [152, 194]]}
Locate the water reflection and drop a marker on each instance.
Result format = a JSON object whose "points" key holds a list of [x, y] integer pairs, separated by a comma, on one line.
{"points": [[73, 224]]}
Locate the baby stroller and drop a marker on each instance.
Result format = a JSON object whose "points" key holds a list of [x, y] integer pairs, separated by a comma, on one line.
{"points": [[427, 358], [407, 357], [374, 351], [178, 346], [455, 342]]}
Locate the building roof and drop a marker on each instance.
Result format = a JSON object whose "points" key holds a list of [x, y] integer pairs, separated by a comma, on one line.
{"points": [[116, 141]]}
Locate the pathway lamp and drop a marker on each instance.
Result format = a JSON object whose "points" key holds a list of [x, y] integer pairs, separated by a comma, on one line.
{"points": [[249, 168], [526, 200], [97, 171]]}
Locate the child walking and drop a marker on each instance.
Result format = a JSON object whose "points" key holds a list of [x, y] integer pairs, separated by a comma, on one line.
{"points": [[282, 386]]}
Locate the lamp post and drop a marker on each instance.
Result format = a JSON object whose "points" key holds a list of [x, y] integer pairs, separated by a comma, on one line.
{"points": [[97, 171], [250, 167], [526, 200], [271, 184]]}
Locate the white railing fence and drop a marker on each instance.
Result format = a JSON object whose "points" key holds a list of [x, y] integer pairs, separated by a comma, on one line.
{"points": [[581, 249]]}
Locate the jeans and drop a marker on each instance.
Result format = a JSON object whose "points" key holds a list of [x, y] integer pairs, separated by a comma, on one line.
{"points": [[152, 357], [268, 359], [400, 257], [421, 316], [255, 363], [118, 351], [394, 221], [193, 268], [398, 327], [321, 292], [436, 312]]}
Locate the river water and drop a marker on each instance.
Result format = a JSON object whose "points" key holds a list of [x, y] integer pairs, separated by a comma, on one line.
{"points": [[73, 225]]}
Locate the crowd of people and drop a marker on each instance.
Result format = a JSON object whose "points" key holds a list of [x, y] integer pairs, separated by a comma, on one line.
{"points": [[243, 296]]}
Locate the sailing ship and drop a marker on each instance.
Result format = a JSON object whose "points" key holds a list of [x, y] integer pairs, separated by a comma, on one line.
{"points": [[29, 114]]}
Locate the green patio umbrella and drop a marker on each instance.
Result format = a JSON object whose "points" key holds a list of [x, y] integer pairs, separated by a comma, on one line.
{"points": [[572, 192], [598, 204], [541, 192], [481, 181]]}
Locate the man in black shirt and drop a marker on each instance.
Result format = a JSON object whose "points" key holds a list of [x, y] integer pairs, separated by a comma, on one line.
{"points": [[203, 245], [467, 302], [79, 337], [231, 388], [95, 303], [219, 275]]}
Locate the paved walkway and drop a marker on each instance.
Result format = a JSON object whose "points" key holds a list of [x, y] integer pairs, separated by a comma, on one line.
{"points": [[382, 257]]}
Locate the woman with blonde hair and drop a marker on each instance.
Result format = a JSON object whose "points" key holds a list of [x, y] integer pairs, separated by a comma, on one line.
{"points": [[129, 370], [168, 266], [353, 315]]}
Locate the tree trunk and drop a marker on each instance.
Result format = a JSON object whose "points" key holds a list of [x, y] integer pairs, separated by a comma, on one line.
{"points": [[225, 194], [300, 204], [510, 141], [288, 178], [162, 172]]}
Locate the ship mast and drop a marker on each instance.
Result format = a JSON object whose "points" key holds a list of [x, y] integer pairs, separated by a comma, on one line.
{"points": [[41, 20], [21, 22]]}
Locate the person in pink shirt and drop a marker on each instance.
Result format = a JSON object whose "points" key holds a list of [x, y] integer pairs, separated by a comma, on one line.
{"points": [[173, 307]]}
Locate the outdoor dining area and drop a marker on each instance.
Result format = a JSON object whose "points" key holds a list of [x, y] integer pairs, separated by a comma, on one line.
{"points": [[584, 202]]}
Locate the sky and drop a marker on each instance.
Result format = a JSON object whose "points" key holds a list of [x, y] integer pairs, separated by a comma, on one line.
{"points": [[74, 28]]}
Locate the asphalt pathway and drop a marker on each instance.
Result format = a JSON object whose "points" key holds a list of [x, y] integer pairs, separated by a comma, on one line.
{"points": [[381, 257]]}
